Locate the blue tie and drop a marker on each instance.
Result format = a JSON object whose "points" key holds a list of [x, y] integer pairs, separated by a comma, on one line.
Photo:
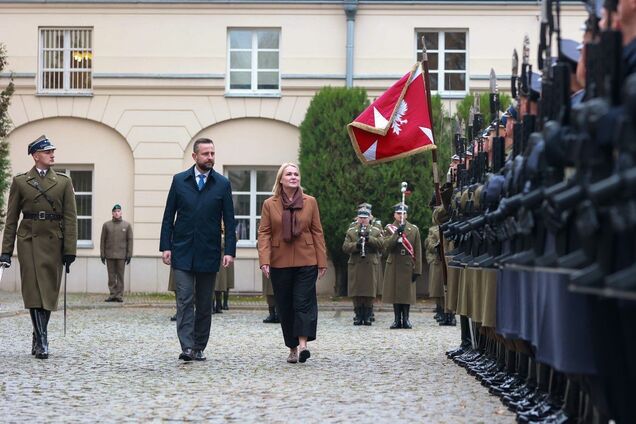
{"points": [[201, 181]]}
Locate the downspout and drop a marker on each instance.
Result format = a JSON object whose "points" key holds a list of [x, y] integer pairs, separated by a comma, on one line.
{"points": [[350, 8]]}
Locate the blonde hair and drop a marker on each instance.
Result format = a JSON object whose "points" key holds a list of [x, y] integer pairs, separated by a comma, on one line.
{"points": [[278, 187]]}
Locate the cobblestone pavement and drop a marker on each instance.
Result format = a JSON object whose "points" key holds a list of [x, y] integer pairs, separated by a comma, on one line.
{"points": [[120, 364]]}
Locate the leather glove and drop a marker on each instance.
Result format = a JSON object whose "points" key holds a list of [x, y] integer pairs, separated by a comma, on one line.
{"points": [[103, 258], [5, 259], [400, 229], [68, 260], [414, 277], [128, 260]]}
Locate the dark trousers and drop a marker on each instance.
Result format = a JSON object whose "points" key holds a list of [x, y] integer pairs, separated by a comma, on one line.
{"points": [[116, 269], [295, 293], [194, 307]]}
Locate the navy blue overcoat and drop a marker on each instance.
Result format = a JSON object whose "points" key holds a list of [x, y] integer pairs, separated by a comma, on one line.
{"points": [[194, 237]]}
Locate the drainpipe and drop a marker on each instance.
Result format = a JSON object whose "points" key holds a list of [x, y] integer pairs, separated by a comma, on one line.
{"points": [[350, 8]]}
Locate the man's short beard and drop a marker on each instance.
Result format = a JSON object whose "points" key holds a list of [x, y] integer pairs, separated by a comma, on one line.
{"points": [[207, 166]]}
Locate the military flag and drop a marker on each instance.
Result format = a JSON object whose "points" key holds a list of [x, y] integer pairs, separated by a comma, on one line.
{"points": [[397, 124]]}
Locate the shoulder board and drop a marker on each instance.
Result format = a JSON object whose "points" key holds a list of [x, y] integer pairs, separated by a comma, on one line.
{"points": [[61, 174], [21, 174], [414, 226]]}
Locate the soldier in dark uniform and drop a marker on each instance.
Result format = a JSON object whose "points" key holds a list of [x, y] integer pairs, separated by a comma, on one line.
{"points": [[47, 236], [403, 247], [362, 242]]}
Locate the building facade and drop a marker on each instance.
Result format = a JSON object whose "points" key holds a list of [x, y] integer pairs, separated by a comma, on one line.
{"points": [[123, 88]]}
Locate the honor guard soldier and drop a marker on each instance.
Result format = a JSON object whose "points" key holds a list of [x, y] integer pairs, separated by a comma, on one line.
{"points": [[403, 248], [378, 224], [362, 242], [116, 246], [47, 236]]}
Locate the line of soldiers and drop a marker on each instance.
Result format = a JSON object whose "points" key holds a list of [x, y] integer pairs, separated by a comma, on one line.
{"points": [[540, 217], [383, 262]]}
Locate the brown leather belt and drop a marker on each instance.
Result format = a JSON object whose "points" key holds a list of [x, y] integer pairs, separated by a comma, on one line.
{"points": [[42, 216]]}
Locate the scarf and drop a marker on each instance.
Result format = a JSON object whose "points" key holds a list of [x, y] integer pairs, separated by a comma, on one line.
{"points": [[291, 228]]}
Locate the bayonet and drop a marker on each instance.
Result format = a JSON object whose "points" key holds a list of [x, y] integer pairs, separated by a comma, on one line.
{"points": [[515, 74]]}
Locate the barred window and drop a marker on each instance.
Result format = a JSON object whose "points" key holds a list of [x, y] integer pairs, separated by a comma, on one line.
{"points": [[250, 188], [66, 60], [83, 185], [253, 61], [447, 59]]}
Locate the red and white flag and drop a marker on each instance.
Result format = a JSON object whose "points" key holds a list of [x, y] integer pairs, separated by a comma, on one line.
{"points": [[397, 124]]}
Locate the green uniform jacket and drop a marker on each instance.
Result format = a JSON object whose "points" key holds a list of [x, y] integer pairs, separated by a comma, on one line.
{"points": [[435, 276], [363, 273], [116, 240], [268, 290], [400, 266], [41, 243], [225, 276]]}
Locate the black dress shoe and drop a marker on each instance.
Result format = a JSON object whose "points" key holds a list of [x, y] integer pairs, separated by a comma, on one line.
{"points": [[118, 300], [173, 318], [187, 355], [110, 299], [199, 356]]}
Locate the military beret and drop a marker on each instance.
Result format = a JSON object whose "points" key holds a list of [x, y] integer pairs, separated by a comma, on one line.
{"points": [[363, 212], [117, 206], [400, 208], [41, 144]]}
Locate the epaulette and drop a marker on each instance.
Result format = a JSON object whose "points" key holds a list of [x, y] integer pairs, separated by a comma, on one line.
{"points": [[61, 174], [21, 174]]}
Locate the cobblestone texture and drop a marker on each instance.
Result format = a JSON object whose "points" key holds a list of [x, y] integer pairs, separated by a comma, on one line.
{"points": [[120, 364]]}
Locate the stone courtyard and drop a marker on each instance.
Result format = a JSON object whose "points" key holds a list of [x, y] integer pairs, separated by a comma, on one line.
{"points": [[118, 363]]}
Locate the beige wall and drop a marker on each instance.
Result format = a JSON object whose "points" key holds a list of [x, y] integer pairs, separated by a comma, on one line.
{"points": [[159, 83]]}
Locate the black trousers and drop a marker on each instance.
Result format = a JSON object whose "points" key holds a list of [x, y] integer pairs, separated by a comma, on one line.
{"points": [[295, 293], [194, 307]]}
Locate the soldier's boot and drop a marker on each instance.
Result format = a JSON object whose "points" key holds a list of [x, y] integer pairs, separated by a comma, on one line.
{"points": [[371, 314], [406, 323], [439, 313], [34, 340], [226, 295], [276, 317], [271, 317], [218, 308], [397, 321], [357, 319], [42, 348], [366, 315]]}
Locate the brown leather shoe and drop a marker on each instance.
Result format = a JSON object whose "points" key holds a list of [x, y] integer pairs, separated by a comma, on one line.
{"points": [[293, 356]]}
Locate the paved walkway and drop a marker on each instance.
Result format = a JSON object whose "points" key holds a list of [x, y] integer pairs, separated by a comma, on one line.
{"points": [[120, 364]]}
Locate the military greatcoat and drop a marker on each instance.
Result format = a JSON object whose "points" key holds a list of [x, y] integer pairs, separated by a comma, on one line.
{"points": [[400, 266], [363, 273], [435, 276], [41, 242]]}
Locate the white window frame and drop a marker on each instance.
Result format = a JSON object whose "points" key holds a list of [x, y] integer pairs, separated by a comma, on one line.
{"points": [[67, 169], [254, 90], [253, 193], [441, 60], [67, 70]]}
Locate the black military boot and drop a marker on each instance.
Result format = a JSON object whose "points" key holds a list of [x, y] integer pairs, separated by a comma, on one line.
{"points": [[276, 317], [371, 314], [357, 319], [226, 295], [406, 308], [397, 312], [42, 348], [439, 313], [271, 317], [217, 302], [366, 315], [34, 341]]}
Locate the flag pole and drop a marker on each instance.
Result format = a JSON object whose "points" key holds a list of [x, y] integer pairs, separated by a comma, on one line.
{"points": [[438, 196]]}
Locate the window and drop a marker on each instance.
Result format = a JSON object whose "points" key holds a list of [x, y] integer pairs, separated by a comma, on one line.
{"points": [[83, 184], [253, 61], [446, 59], [250, 188], [66, 61]]}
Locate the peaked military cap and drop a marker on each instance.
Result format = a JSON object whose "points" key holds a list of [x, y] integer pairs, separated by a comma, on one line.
{"points": [[400, 208], [41, 144], [363, 212], [117, 206], [570, 50], [365, 206]]}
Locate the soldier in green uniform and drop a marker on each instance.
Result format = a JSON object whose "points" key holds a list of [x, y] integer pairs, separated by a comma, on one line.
{"points": [[403, 248], [224, 282], [116, 246], [435, 277], [268, 292], [362, 242], [47, 236]]}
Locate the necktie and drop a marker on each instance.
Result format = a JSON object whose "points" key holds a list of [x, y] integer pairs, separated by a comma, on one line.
{"points": [[201, 182], [42, 174]]}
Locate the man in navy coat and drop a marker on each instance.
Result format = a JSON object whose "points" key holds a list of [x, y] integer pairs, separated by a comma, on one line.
{"points": [[199, 198]]}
